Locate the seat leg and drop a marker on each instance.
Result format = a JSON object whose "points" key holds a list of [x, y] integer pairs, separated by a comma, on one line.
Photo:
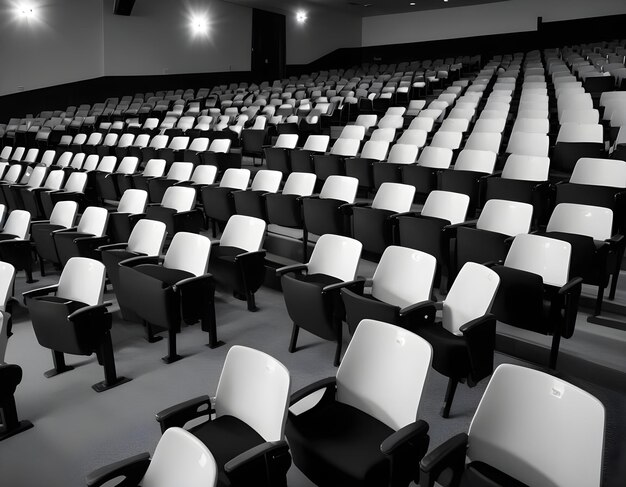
{"points": [[251, 301], [614, 284], [598, 308], [554, 351], [172, 356], [105, 354], [447, 402], [305, 244], [150, 336], [42, 267], [294, 338], [214, 227], [337, 359], [208, 324], [11, 425], [59, 365]]}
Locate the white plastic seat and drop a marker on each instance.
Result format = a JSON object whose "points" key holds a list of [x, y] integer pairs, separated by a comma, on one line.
{"points": [[528, 144], [316, 143], [415, 137], [476, 160], [526, 168], [449, 140], [489, 141], [506, 217], [179, 198], [446, 205], [435, 157], [599, 172], [353, 132]]}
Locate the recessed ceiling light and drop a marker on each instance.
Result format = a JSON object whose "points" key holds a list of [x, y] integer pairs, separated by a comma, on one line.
{"points": [[412, 4], [301, 16]]}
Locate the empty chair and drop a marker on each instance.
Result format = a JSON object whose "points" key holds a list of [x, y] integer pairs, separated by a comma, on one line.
{"points": [[285, 208], [177, 289], [146, 239], [238, 259], [402, 283], [278, 157], [217, 200], [423, 175], [247, 440], [301, 160], [251, 202], [536, 290], [178, 210], [42, 232], [528, 144], [333, 163], [363, 430], [372, 225], [31, 197], [129, 211], [179, 457], [311, 290], [193, 152], [361, 167], [83, 240], [13, 192], [107, 186], [178, 172], [431, 229], [74, 319], [154, 168], [573, 142], [15, 242], [520, 423], [175, 147], [487, 239], [73, 190]]}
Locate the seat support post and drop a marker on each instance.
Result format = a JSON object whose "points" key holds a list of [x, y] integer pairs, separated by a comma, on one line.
{"points": [[59, 365], [447, 402], [172, 356], [554, 351], [294, 338], [105, 354]]}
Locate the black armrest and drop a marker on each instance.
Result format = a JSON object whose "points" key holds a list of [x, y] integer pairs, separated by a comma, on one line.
{"points": [[181, 413], [450, 454], [616, 241], [114, 246], [264, 449], [64, 230], [133, 468], [340, 285], [400, 438], [290, 268], [326, 383], [480, 337], [142, 259], [195, 279], [248, 255], [42, 291], [406, 213], [425, 307], [88, 310], [38, 222], [93, 240], [571, 285]]}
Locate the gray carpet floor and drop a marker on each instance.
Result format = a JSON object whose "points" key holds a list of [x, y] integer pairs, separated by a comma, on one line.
{"points": [[77, 430]]}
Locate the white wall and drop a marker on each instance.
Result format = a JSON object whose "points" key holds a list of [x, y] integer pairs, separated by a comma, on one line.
{"points": [[322, 33], [61, 44], [490, 18], [156, 38]]}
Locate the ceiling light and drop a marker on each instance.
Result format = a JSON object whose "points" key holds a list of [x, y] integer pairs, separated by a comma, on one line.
{"points": [[199, 25], [301, 17], [412, 4]]}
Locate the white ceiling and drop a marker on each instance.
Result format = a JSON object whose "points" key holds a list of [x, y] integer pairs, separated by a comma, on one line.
{"points": [[360, 8]]}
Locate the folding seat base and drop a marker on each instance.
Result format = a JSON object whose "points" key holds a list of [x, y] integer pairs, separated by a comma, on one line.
{"points": [[105, 385]]}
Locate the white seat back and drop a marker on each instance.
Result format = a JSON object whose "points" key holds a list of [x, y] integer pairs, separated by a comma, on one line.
{"points": [[526, 168], [180, 171], [375, 150], [18, 223], [404, 276], [528, 144], [394, 197], [599, 172], [547, 257], [199, 144], [525, 416], [353, 132], [7, 277], [82, 280], [593, 221], [220, 146], [506, 217], [402, 154], [155, 168], [266, 180], [476, 160], [317, 143], [133, 201], [247, 375], [179, 198], [341, 188], [235, 178], [188, 252], [346, 147], [55, 179], [181, 458], [76, 182], [93, 221], [107, 164], [128, 165], [300, 183], [286, 141], [383, 372], [204, 174], [147, 237], [244, 232], [336, 256], [435, 157], [446, 205], [470, 296], [64, 213]]}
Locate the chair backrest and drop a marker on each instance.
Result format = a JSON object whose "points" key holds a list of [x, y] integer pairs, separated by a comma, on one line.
{"points": [[7, 277], [528, 144], [220, 145], [179, 198], [476, 160], [599, 172], [180, 458], [48, 157], [244, 232], [526, 168], [159, 142], [506, 217], [578, 132], [90, 163], [82, 280], [76, 182], [4, 332], [341, 188], [107, 164], [179, 143], [247, 375], [147, 237], [353, 132], [525, 416], [404, 276], [394, 197], [383, 372], [336, 256], [93, 221], [446, 205], [346, 147], [204, 174], [128, 165], [199, 144], [266, 180], [180, 171], [13, 173], [55, 179], [435, 157], [154, 168], [235, 178], [188, 252], [547, 257], [133, 201], [470, 296], [317, 143], [300, 183], [18, 223], [64, 213], [593, 221], [37, 177], [286, 141], [375, 149], [403, 153]]}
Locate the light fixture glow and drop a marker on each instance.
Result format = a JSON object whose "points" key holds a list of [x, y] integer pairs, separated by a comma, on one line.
{"points": [[25, 11], [199, 24], [301, 17], [412, 4]]}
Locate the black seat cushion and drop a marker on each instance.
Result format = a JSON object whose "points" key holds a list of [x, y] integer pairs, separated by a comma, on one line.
{"points": [[223, 266], [338, 445], [226, 437], [479, 474], [450, 354]]}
